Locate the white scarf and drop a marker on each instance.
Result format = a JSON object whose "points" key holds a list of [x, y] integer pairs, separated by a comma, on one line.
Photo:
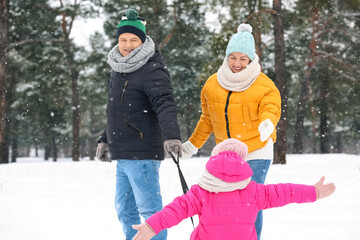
{"points": [[238, 82], [135, 60], [213, 184]]}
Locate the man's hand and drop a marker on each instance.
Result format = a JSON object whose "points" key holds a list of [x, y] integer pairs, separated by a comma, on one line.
{"points": [[173, 146], [102, 152]]}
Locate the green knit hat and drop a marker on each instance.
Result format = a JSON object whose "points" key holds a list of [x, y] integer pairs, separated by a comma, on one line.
{"points": [[132, 23]]}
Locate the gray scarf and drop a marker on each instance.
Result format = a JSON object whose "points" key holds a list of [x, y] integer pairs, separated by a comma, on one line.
{"points": [[238, 82], [213, 184], [135, 60]]}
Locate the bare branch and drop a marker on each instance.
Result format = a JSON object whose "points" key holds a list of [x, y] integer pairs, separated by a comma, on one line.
{"points": [[73, 15], [169, 36], [351, 78]]}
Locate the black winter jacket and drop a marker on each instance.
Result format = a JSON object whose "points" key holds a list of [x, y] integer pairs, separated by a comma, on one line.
{"points": [[141, 112]]}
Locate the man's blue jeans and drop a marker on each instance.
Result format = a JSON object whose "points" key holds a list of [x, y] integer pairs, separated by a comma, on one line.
{"points": [[137, 193], [260, 168]]}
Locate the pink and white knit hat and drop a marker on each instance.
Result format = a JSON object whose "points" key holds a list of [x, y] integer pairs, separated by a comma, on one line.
{"points": [[233, 145]]}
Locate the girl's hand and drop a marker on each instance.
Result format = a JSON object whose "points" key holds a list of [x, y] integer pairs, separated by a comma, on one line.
{"points": [[323, 190], [145, 232]]}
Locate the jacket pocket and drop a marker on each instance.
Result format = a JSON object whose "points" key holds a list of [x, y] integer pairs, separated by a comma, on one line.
{"points": [[133, 128]]}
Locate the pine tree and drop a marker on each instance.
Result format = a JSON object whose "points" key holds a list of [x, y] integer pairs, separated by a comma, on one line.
{"points": [[327, 61]]}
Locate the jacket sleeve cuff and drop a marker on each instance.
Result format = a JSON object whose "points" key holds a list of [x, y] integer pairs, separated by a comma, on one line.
{"points": [[151, 221], [102, 137]]}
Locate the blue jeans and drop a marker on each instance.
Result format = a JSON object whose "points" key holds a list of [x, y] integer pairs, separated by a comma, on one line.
{"points": [[137, 193], [260, 168]]}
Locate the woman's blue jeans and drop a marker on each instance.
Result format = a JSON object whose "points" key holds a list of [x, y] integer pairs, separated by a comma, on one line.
{"points": [[260, 168], [137, 193]]}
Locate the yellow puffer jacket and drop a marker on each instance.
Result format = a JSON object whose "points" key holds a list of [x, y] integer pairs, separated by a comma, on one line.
{"points": [[237, 114]]}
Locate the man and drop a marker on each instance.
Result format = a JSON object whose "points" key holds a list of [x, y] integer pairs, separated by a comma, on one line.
{"points": [[142, 122]]}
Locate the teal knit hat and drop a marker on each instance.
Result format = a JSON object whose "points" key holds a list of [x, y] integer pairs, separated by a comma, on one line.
{"points": [[242, 41], [132, 23]]}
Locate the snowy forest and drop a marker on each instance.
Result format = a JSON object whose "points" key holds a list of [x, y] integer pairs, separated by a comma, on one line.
{"points": [[53, 91]]}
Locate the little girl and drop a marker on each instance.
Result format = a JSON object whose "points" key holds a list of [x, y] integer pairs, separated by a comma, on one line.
{"points": [[225, 199]]}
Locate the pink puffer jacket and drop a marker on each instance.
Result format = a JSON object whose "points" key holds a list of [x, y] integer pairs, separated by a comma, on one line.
{"points": [[229, 215]]}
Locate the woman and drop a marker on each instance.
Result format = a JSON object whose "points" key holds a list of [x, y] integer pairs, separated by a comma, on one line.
{"points": [[241, 102]]}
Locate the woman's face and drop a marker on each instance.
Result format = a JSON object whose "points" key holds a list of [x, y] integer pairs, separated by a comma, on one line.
{"points": [[128, 42], [238, 61]]}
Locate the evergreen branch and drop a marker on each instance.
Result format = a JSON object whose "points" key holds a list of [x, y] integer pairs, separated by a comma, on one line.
{"points": [[256, 14], [36, 40], [329, 20], [333, 58], [336, 30]]}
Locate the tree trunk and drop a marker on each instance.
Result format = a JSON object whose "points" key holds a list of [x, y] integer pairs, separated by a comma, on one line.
{"points": [[47, 152], [338, 145], [36, 150], [74, 73], [76, 120], [91, 141], [303, 98], [28, 148], [156, 29], [5, 149], [4, 9], [300, 114], [14, 148], [257, 33], [324, 111], [54, 148], [280, 80]]}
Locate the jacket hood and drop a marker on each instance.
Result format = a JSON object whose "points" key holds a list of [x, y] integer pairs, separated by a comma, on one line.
{"points": [[157, 57], [229, 167]]}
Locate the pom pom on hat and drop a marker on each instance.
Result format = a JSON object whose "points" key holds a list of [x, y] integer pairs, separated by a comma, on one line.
{"points": [[244, 28], [233, 145], [132, 15], [243, 41], [132, 23]]}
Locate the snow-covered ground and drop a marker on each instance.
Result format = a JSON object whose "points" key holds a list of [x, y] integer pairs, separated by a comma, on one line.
{"points": [[74, 200]]}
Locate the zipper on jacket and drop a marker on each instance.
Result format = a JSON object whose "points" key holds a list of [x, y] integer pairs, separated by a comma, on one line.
{"points": [[226, 115], [123, 91], [133, 128]]}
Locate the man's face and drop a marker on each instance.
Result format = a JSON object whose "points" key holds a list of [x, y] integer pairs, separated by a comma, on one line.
{"points": [[128, 42]]}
